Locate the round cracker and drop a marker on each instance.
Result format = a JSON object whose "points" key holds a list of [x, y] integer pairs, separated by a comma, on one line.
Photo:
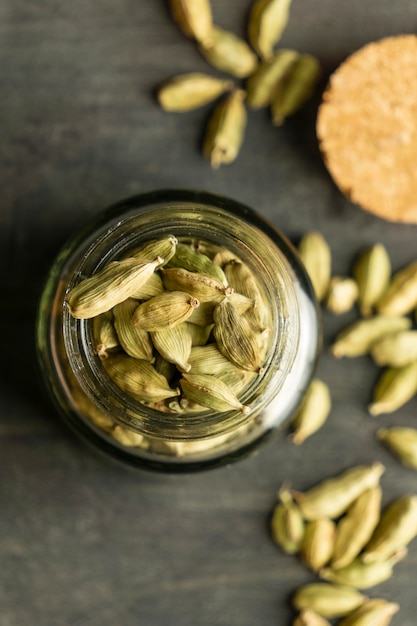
{"points": [[367, 128]]}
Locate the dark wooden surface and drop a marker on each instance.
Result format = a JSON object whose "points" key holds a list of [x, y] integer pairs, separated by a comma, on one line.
{"points": [[85, 542]]}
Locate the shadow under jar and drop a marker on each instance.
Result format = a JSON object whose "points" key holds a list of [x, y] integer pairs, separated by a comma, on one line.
{"points": [[178, 439]]}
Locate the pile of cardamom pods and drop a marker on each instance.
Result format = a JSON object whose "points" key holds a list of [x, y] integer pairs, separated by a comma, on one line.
{"points": [[281, 79], [341, 534], [176, 329], [387, 303]]}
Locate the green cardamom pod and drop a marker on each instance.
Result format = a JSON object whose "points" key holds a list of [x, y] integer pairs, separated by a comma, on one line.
{"points": [[229, 53], [395, 387], [267, 21], [328, 600], [310, 618], [395, 349], [199, 334], [163, 247], [372, 272], [203, 315], [243, 281], [297, 88], [401, 295], [313, 412], [135, 341], [363, 575], [402, 441], [174, 344], [193, 261], [202, 287], [191, 91], [375, 612], [226, 130], [105, 336], [210, 392], [358, 338], [317, 547], [194, 17], [287, 524], [152, 287], [341, 295], [168, 309], [260, 86], [316, 256], [235, 337]]}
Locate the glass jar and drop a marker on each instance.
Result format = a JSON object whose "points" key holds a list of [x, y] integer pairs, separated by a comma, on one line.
{"points": [[142, 435]]}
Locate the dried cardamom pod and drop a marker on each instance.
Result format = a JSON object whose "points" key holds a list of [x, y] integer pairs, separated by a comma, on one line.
{"points": [[191, 91], [138, 379], [260, 86], [396, 528], [313, 412], [226, 130], [105, 336], [194, 17], [193, 261], [332, 497], [235, 337], [328, 600], [316, 256], [113, 284], [310, 618], [199, 334], [198, 285], [318, 543], [152, 287], [401, 295], [203, 315], [372, 272], [243, 281], [165, 368], [363, 575], [174, 344], [287, 524], [209, 359], [358, 338], [163, 247], [375, 612], [135, 341], [402, 441], [229, 53], [395, 387], [210, 392], [395, 349], [355, 529], [168, 309], [296, 89], [341, 294], [267, 21], [128, 437]]}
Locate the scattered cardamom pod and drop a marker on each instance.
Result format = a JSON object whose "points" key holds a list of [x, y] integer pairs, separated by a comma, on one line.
{"points": [[194, 17], [109, 286], [372, 272], [355, 529], [363, 575], [317, 547], [402, 441], [395, 387], [287, 524], [328, 600], [313, 411], [226, 130], [310, 618], [332, 497], [296, 89], [235, 337], [167, 309], [228, 53], [267, 21], [208, 391], [135, 341], [400, 297], [375, 612], [191, 91], [395, 349], [174, 344], [396, 528], [260, 86], [358, 338], [341, 294], [316, 256]]}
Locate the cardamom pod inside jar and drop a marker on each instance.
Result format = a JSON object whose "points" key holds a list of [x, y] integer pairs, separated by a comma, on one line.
{"points": [[177, 331]]}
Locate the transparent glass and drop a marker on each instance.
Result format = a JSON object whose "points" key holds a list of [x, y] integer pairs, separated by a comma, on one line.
{"points": [[140, 435]]}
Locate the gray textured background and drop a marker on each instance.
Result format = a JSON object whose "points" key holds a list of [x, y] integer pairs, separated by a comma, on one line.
{"points": [[85, 542]]}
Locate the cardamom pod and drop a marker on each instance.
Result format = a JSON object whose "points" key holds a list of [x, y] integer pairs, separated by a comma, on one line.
{"points": [[310, 618], [209, 359], [105, 336], [316, 256], [287, 524], [355, 529], [313, 412], [395, 349], [395, 387], [194, 17], [165, 368], [363, 575], [198, 285], [138, 379], [168, 309], [229, 53], [163, 247], [203, 315], [402, 441], [260, 86], [199, 334], [191, 91], [375, 612], [210, 392], [332, 497], [328, 600], [226, 130], [152, 287], [317, 547], [243, 281], [193, 261], [267, 21], [113, 284], [341, 294], [297, 88], [372, 272], [357, 338], [396, 528], [401, 295], [235, 337], [135, 341], [174, 344]]}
